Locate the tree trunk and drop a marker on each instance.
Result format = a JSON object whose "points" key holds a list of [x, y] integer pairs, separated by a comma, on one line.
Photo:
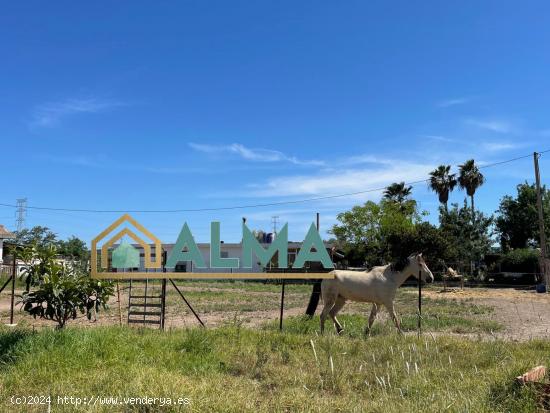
{"points": [[473, 208]]}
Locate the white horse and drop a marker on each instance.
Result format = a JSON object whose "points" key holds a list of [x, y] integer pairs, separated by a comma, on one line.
{"points": [[377, 286]]}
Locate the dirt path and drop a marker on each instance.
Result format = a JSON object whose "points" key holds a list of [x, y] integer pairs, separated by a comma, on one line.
{"points": [[525, 314]]}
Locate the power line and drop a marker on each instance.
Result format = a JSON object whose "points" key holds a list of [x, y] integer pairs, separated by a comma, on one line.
{"points": [[268, 204]]}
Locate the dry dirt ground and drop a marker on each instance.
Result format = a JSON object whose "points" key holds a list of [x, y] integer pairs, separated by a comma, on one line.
{"points": [[524, 314]]}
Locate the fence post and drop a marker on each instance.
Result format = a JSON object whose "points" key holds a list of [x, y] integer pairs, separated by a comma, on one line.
{"points": [[541, 223], [282, 306], [13, 283], [419, 302]]}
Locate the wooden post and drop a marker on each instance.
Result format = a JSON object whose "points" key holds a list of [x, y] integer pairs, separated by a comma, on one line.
{"points": [[163, 304], [541, 223], [163, 293], [282, 306], [14, 272], [119, 305], [419, 302]]}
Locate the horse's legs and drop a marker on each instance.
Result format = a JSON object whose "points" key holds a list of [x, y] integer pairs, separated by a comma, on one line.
{"points": [[371, 318], [340, 301], [393, 316], [328, 300]]}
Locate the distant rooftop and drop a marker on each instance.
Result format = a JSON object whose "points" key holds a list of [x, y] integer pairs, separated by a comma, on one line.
{"points": [[5, 234]]}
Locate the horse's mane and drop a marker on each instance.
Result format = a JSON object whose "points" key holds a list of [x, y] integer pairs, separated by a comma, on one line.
{"points": [[399, 264]]}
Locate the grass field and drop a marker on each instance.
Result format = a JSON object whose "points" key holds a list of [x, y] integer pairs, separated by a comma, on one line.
{"points": [[234, 369], [457, 365]]}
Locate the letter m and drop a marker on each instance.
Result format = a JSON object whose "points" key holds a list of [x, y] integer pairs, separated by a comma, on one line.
{"points": [[251, 245]]}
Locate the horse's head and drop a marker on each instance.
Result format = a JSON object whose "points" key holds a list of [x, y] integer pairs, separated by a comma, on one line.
{"points": [[418, 266]]}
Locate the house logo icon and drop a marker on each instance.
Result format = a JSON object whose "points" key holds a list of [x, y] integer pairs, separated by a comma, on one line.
{"points": [[125, 255]]}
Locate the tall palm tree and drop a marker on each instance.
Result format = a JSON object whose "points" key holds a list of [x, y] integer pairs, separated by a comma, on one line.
{"points": [[470, 179], [442, 183], [397, 192]]}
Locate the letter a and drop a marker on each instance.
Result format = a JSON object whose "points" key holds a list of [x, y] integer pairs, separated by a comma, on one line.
{"points": [[313, 240], [185, 239]]}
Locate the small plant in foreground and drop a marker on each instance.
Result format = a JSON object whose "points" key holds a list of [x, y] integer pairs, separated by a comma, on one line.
{"points": [[62, 290]]}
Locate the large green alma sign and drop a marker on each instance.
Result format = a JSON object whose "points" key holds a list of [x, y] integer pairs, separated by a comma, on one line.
{"points": [[126, 256], [186, 249]]}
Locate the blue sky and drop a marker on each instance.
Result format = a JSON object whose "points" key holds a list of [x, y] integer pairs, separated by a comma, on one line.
{"points": [[209, 104]]}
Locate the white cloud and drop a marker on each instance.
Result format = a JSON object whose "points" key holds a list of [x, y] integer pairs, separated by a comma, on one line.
{"points": [[499, 146], [50, 114], [343, 181], [362, 159], [439, 138], [452, 102], [257, 155], [495, 125]]}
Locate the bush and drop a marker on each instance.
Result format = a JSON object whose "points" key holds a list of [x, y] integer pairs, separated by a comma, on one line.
{"points": [[60, 290], [521, 260], [61, 297]]}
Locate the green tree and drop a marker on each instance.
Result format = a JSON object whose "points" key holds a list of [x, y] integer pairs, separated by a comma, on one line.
{"points": [[469, 235], [470, 178], [442, 182], [74, 248], [384, 232], [517, 219], [39, 236], [59, 290], [370, 232], [398, 192]]}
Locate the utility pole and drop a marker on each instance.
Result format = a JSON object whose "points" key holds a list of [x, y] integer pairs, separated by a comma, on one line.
{"points": [[541, 223], [21, 213]]}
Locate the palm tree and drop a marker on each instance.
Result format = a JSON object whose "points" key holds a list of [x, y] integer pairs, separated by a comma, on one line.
{"points": [[397, 192], [442, 183], [470, 179]]}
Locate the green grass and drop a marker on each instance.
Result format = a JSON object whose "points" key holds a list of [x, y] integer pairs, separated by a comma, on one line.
{"points": [[233, 369], [245, 285], [354, 325]]}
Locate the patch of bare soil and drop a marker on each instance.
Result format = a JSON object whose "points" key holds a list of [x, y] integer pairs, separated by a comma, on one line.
{"points": [[524, 313]]}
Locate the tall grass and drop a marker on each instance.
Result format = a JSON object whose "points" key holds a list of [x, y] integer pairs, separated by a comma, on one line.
{"points": [[232, 369]]}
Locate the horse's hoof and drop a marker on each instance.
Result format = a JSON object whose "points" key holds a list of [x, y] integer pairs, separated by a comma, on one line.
{"points": [[339, 332]]}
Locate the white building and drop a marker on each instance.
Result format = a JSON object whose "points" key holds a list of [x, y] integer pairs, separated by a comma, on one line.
{"points": [[4, 235]]}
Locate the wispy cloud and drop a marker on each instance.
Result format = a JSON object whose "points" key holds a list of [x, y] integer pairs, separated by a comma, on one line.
{"points": [[343, 181], [499, 146], [251, 154], [452, 102], [439, 138], [493, 125], [51, 113]]}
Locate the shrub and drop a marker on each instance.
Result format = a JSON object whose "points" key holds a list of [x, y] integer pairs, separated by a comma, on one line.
{"points": [[520, 260], [61, 290]]}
